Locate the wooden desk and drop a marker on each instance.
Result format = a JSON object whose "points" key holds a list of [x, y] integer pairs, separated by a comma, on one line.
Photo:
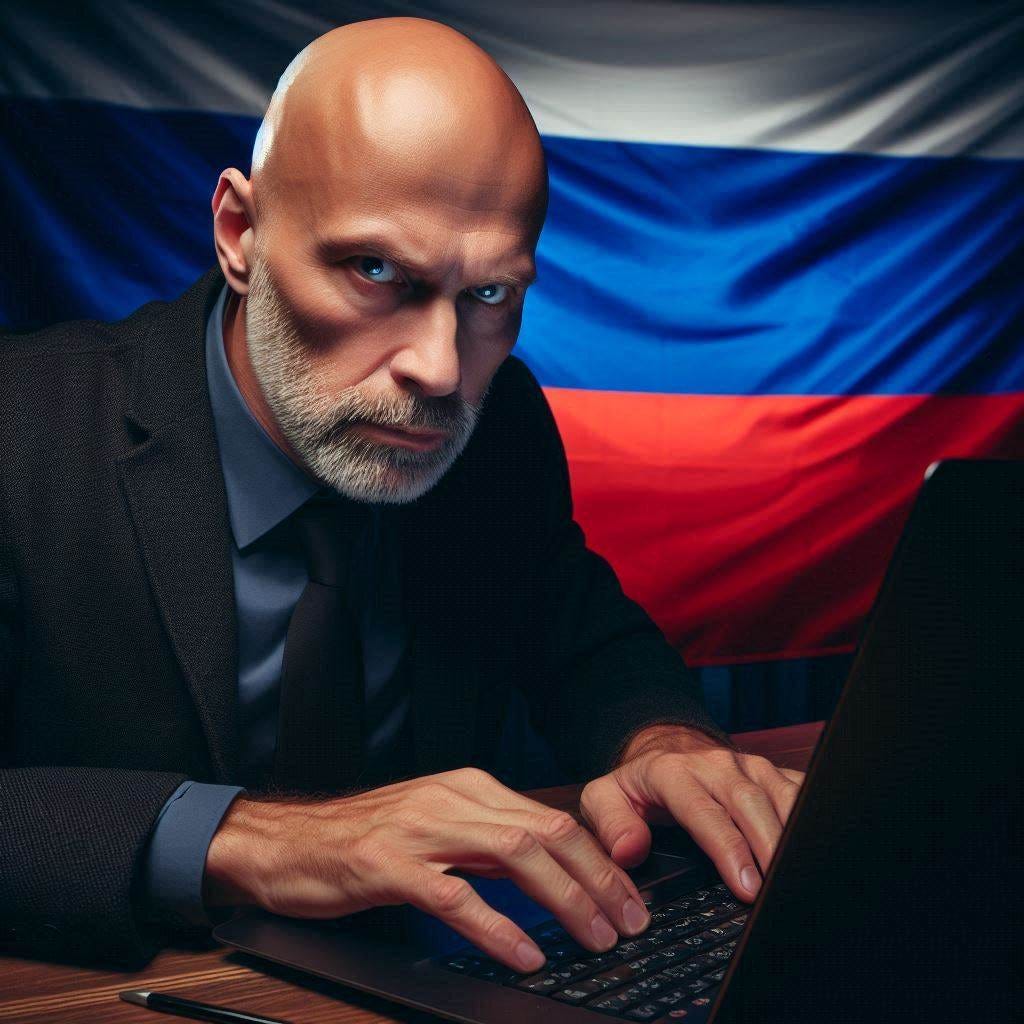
{"points": [[33, 992]]}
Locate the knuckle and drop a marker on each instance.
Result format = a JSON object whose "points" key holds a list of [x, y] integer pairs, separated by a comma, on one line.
{"points": [[558, 827], [513, 841], [606, 880], [747, 793], [496, 932], [590, 796], [669, 765], [719, 755], [435, 792], [735, 846], [573, 894], [706, 810], [473, 776], [663, 759], [449, 894], [412, 819]]}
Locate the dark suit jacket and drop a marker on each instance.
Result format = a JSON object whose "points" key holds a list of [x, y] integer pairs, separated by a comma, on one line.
{"points": [[118, 660]]}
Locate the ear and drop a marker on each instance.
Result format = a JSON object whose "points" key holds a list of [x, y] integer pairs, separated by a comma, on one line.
{"points": [[234, 214]]}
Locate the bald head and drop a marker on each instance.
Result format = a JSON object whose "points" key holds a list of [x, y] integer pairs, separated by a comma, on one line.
{"points": [[403, 101]]}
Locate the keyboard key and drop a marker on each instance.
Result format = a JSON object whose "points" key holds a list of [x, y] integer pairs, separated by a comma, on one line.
{"points": [[709, 961], [617, 975], [491, 970], [645, 1011], [673, 911], [565, 951], [571, 971], [695, 1010], [727, 908], [614, 1004], [542, 983], [722, 953], [686, 926], [575, 995], [687, 969], [628, 950], [673, 997], [587, 989], [463, 964]]}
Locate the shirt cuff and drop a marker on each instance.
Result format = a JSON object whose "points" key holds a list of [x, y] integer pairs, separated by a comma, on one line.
{"points": [[171, 871]]}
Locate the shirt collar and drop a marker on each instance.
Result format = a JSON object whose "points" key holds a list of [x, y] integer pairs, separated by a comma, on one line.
{"points": [[264, 486]]}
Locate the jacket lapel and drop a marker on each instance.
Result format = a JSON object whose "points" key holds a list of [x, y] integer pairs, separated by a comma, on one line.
{"points": [[174, 488]]}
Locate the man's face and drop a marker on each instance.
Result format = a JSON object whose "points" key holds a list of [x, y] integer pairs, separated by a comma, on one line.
{"points": [[378, 309]]}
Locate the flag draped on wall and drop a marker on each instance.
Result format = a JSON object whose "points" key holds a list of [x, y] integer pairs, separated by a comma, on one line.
{"points": [[781, 272]]}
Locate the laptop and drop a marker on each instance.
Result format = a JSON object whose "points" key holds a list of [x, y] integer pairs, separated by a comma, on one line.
{"points": [[895, 892]]}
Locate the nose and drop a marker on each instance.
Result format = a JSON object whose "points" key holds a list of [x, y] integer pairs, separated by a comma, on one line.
{"points": [[430, 359]]}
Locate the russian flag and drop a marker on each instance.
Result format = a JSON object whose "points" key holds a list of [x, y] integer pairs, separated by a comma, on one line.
{"points": [[781, 272]]}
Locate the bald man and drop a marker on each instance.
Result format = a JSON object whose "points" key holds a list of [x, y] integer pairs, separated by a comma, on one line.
{"points": [[350, 353]]}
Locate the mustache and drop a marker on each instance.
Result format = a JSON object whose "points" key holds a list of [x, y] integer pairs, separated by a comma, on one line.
{"points": [[449, 414]]}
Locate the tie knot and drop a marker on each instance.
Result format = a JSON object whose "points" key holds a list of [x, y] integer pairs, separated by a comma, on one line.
{"points": [[332, 530]]}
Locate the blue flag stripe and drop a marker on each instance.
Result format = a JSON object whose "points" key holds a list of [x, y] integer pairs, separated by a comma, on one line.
{"points": [[662, 268]]}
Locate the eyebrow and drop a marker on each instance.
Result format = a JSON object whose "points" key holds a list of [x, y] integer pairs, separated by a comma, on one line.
{"points": [[378, 246]]}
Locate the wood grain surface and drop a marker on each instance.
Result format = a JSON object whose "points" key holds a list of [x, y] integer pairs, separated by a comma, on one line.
{"points": [[33, 992]]}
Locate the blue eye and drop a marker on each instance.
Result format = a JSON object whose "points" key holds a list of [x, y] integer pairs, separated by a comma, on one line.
{"points": [[492, 294], [377, 269]]}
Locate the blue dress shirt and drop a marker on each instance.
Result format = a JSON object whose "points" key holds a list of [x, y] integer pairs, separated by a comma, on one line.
{"points": [[264, 486]]}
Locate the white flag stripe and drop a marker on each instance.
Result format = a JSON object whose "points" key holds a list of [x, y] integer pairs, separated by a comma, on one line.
{"points": [[907, 79]]}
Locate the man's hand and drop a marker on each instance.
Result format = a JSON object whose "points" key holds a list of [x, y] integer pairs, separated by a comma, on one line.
{"points": [[327, 858], [733, 804]]}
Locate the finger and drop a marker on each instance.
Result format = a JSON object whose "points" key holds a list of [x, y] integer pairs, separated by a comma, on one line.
{"points": [[747, 803], [693, 807], [781, 791], [455, 902], [609, 812], [794, 776], [525, 860], [583, 858]]}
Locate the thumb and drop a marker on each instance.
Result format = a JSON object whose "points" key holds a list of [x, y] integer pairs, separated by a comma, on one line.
{"points": [[615, 821]]}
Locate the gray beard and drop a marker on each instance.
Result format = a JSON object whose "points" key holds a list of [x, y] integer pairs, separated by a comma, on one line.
{"points": [[316, 424]]}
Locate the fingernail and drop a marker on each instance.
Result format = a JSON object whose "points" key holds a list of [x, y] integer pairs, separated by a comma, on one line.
{"points": [[530, 957], [750, 879], [604, 934], [636, 918]]}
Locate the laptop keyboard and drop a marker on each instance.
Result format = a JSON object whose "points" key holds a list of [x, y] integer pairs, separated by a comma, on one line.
{"points": [[669, 973]]}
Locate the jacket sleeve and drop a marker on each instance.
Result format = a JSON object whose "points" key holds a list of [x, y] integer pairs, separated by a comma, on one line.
{"points": [[70, 840], [609, 669]]}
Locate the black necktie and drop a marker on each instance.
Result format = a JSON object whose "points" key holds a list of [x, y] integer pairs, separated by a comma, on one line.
{"points": [[320, 741]]}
